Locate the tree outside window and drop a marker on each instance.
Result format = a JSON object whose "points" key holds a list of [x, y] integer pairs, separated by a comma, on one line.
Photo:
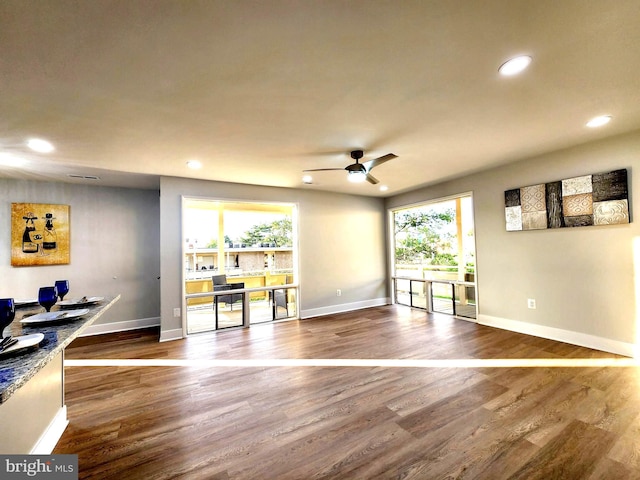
{"points": [[431, 240]]}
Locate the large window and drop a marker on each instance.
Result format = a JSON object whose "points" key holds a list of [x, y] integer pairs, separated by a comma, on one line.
{"points": [[237, 245], [434, 244]]}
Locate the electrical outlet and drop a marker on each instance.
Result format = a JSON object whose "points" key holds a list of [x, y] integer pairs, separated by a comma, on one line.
{"points": [[338, 292], [531, 303], [176, 312]]}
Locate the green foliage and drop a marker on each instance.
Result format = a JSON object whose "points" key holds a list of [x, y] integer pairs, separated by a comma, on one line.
{"points": [[424, 220], [422, 236], [445, 259], [214, 242], [279, 232]]}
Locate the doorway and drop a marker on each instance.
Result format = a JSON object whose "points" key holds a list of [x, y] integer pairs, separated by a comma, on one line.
{"points": [[433, 251], [245, 248]]}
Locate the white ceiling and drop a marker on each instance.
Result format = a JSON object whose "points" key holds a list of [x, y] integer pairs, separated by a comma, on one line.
{"points": [[260, 90]]}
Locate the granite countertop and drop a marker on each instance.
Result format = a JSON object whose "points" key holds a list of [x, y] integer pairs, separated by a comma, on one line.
{"points": [[16, 368]]}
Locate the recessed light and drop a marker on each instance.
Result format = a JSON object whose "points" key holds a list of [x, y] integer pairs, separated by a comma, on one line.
{"points": [[194, 164], [40, 145], [599, 121], [383, 188], [9, 160], [307, 179], [515, 65]]}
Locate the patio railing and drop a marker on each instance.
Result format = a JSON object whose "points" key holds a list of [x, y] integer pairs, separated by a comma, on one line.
{"points": [[453, 297], [204, 313]]}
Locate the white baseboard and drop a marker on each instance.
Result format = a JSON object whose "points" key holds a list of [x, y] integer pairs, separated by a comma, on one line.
{"points": [[114, 327], [561, 335], [47, 442], [169, 335], [345, 307]]}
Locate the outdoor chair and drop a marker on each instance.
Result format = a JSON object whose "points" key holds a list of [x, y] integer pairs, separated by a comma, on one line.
{"points": [[220, 284], [280, 300]]}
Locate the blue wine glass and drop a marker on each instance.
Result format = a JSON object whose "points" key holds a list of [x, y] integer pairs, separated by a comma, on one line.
{"points": [[63, 288], [47, 297], [7, 313]]}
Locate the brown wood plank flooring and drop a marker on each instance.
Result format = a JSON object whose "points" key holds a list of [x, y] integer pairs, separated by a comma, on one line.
{"points": [[294, 422]]}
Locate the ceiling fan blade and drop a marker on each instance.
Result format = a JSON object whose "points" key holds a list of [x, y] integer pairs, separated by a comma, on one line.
{"points": [[371, 179], [380, 160], [322, 169]]}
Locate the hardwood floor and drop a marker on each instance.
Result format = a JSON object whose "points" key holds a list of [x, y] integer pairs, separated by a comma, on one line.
{"points": [[350, 422]]}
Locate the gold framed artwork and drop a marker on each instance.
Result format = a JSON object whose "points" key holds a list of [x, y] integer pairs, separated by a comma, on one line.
{"points": [[40, 234]]}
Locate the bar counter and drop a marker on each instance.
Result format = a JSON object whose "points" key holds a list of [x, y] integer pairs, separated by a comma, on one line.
{"points": [[32, 405]]}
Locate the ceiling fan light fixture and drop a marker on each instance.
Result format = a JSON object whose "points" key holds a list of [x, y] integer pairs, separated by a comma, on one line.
{"points": [[514, 65], [357, 172], [357, 176]]}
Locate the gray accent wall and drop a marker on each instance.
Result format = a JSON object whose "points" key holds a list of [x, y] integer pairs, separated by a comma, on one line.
{"points": [[123, 240], [115, 246], [585, 280]]}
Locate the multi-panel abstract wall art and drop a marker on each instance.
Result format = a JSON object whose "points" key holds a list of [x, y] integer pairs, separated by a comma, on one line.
{"points": [[598, 199]]}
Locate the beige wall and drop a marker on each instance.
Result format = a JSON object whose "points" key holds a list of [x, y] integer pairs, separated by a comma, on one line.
{"points": [[341, 245], [582, 278], [115, 246]]}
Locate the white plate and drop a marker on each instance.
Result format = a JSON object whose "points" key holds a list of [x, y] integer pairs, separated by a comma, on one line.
{"points": [[79, 302], [26, 302], [24, 341], [58, 316]]}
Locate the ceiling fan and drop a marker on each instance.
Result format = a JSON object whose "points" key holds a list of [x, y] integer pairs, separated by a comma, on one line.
{"points": [[357, 171]]}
